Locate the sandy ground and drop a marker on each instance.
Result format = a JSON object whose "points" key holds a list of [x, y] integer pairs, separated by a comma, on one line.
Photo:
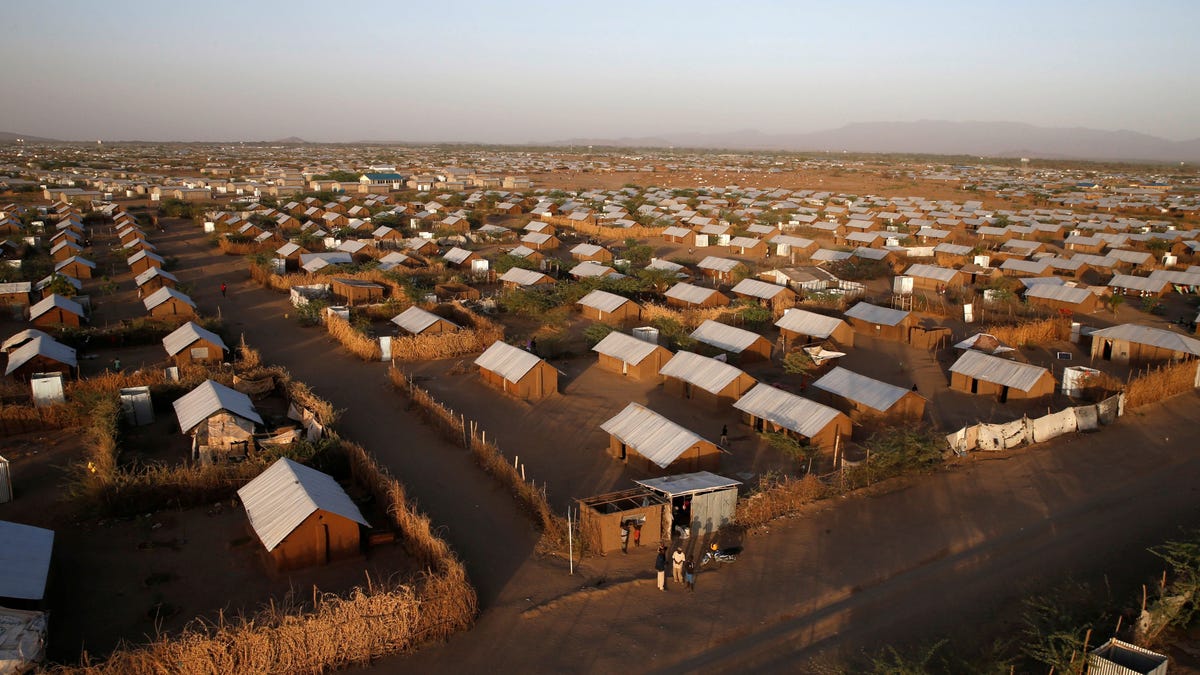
{"points": [[922, 557]]}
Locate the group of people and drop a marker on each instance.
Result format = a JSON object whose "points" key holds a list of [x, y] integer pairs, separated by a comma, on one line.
{"points": [[683, 570]]}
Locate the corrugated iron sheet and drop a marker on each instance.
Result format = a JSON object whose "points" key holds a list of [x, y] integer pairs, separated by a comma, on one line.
{"points": [[287, 493], [415, 320], [884, 316], [655, 437], [805, 417], [163, 294], [758, 289], [603, 301], [198, 404], [624, 347], [861, 389], [1156, 337], [1000, 371], [689, 293], [710, 375], [724, 337], [688, 483], [805, 322], [507, 361], [186, 334]]}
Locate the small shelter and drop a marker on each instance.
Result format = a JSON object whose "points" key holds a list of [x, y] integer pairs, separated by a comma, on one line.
{"points": [[689, 296], [41, 354], [933, 278], [1127, 284], [604, 306], [861, 395], [1121, 658], [768, 408], [15, 295], [740, 343], [977, 373], [607, 521], [153, 279], [799, 326], [593, 252], [621, 353], [1062, 297], [75, 266], [720, 269], [191, 343], [56, 310], [700, 503], [518, 277], [771, 295], [517, 372], [698, 377], [461, 258], [417, 321], [647, 440], [143, 260], [882, 322], [302, 516], [1138, 344], [356, 292], [167, 302], [220, 421]]}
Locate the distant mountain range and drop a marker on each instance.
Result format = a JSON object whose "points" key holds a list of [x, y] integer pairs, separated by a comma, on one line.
{"points": [[935, 137], [6, 137]]}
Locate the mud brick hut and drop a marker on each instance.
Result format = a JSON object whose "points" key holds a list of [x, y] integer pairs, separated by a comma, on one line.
{"points": [[593, 252], [859, 395], [40, 354], [1142, 345], [700, 503], [627, 355], [1063, 298], [770, 295], [742, 345], [191, 343], [603, 518], [14, 296], [688, 296], [652, 443], [766, 408], [220, 420], [353, 292], [417, 321], [800, 327], [302, 516], [604, 306], [517, 372], [168, 303], [143, 260], [517, 277], [56, 310], [153, 279], [881, 322], [706, 380], [977, 373], [80, 268]]}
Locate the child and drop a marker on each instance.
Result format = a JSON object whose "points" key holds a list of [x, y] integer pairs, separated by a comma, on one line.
{"points": [[689, 574]]}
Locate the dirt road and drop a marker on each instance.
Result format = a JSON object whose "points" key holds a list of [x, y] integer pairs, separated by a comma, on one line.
{"points": [[935, 555]]}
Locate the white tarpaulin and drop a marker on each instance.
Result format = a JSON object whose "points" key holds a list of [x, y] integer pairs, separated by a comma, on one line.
{"points": [[1111, 408], [1001, 436], [1087, 417], [1053, 425], [964, 440]]}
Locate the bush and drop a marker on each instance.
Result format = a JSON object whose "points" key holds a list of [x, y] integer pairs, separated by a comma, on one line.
{"points": [[597, 332]]}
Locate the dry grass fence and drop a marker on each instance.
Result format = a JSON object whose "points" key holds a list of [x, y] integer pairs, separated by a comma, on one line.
{"points": [[478, 334], [688, 318], [285, 282], [609, 233], [1156, 384], [779, 497], [358, 344], [457, 429], [1031, 332], [229, 247]]}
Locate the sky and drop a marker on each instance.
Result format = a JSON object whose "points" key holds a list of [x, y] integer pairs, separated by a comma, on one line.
{"points": [[517, 72]]}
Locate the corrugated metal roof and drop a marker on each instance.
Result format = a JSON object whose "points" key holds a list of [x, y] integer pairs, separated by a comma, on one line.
{"points": [[1156, 337], [40, 346], [861, 389], [689, 293], [415, 320], [586, 249], [624, 347], [952, 249], [55, 300], [161, 295], [312, 262], [829, 255], [75, 259], [188, 333], [537, 237], [603, 301], [713, 262], [522, 276], [1061, 293], [789, 411], [507, 361], [725, 337], [590, 268], [200, 403], [25, 553], [710, 375], [16, 287], [287, 493], [934, 272], [456, 255], [758, 289], [676, 231], [884, 316], [805, 322], [1181, 278], [21, 338], [1000, 371], [1137, 283], [655, 437], [1027, 266], [149, 274], [688, 483]]}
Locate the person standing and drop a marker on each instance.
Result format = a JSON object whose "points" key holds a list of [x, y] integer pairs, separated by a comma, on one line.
{"points": [[637, 534], [223, 288], [724, 435], [625, 537], [660, 566], [689, 574], [677, 560]]}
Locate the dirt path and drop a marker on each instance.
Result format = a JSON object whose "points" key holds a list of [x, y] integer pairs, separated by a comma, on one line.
{"points": [[936, 555]]}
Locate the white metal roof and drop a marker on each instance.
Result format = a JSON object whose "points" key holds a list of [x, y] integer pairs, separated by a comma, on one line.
{"points": [[884, 316], [590, 268], [1000, 371], [805, 322], [758, 289], [676, 231], [210, 397], [522, 276], [311, 262], [456, 255], [655, 437], [1027, 266], [25, 553], [40, 346], [1061, 293], [188, 333], [537, 237], [1156, 337], [507, 361], [725, 337], [603, 301], [689, 293], [870, 392], [161, 295], [942, 274], [713, 262], [624, 347], [586, 249], [710, 375], [152, 272], [1137, 283], [1181, 278], [415, 320], [21, 338], [286, 493], [688, 483], [788, 410], [55, 300], [829, 255]]}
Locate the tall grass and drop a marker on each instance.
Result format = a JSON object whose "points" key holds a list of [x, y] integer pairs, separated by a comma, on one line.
{"points": [[1163, 382], [365, 348], [477, 334], [1031, 332]]}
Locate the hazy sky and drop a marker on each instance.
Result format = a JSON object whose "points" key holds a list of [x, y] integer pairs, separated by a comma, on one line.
{"points": [[498, 71]]}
